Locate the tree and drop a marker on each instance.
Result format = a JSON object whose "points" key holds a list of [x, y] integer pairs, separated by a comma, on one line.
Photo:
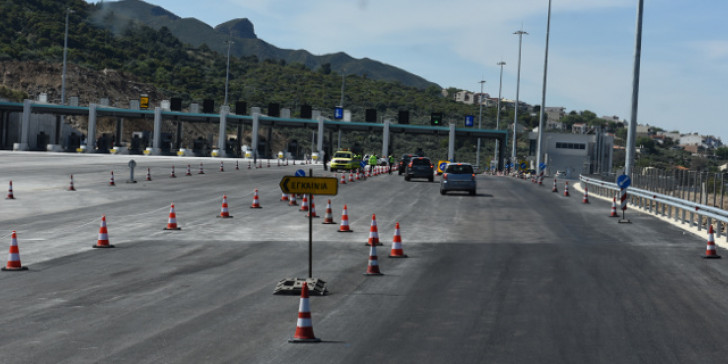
{"points": [[721, 153]]}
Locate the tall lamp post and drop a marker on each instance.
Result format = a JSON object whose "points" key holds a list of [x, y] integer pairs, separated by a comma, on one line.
{"points": [[497, 112], [227, 70], [543, 95], [520, 34], [629, 158], [61, 120], [480, 122]]}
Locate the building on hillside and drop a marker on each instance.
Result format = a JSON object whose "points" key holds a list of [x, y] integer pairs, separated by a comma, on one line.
{"points": [[579, 128], [674, 136], [479, 98], [575, 154], [465, 97], [555, 125], [554, 113]]}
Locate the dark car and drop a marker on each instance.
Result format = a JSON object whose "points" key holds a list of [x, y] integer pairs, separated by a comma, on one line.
{"points": [[458, 177], [404, 162], [420, 167]]}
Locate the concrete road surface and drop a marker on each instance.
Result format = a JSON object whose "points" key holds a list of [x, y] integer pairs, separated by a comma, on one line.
{"points": [[516, 274]]}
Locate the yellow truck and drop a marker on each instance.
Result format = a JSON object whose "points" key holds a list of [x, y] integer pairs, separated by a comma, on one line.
{"points": [[344, 160]]}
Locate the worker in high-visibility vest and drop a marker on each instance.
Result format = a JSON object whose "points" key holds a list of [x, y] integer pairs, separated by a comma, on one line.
{"points": [[372, 162]]}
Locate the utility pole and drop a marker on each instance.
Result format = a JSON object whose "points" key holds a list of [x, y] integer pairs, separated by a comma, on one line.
{"points": [[520, 34], [543, 96], [227, 71], [635, 92], [498, 112], [480, 122]]}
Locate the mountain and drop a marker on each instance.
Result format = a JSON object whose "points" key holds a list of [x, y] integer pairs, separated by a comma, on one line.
{"points": [[116, 16]]}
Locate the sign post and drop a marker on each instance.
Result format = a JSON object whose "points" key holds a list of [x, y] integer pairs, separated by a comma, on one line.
{"points": [[311, 186], [623, 181]]}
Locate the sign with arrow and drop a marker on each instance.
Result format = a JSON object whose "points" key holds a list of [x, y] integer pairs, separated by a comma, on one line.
{"points": [[310, 185]]}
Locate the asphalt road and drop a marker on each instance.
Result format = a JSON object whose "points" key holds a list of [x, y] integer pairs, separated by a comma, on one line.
{"points": [[516, 274]]}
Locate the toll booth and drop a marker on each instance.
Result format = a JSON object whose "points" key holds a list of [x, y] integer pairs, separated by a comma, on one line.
{"points": [[200, 147], [42, 141], [139, 142], [104, 143], [293, 149], [73, 142], [166, 146]]}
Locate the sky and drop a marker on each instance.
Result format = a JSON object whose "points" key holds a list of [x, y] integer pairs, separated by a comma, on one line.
{"points": [[457, 43]]}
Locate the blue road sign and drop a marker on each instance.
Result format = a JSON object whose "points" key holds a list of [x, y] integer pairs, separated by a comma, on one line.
{"points": [[542, 165], [623, 181], [443, 165], [363, 164], [523, 165], [469, 120], [338, 113], [300, 173]]}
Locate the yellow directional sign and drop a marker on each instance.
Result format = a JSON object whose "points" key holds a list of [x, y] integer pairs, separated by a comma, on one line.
{"points": [[310, 185]]}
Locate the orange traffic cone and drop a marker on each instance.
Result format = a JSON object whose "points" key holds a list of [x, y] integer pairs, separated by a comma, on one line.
{"points": [[103, 240], [586, 195], [222, 169], [373, 266], [172, 223], [256, 202], [202, 170], [111, 181], [343, 179], [566, 189], [189, 173], [14, 256], [172, 175], [10, 192], [351, 177], [344, 227], [357, 176], [248, 164], [224, 213], [710, 249], [554, 189], [328, 216], [284, 197], [292, 200], [237, 166], [373, 232], [613, 213], [304, 327], [304, 204], [70, 187], [397, 251], [149, 175], [312, 210]]}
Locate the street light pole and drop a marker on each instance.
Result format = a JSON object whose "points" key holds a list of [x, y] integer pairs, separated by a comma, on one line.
{"points": [[341, 104], [480, 122], [631, 132], [543, 95], [497, 113], [227, 71], [65, 56], [520, 34]]}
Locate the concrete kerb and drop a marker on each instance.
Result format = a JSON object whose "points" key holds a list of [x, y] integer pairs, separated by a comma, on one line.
{"points": [[703, 234]]}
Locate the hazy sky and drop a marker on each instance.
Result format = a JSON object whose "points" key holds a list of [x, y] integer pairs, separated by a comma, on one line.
{"points": [[456, 43]]}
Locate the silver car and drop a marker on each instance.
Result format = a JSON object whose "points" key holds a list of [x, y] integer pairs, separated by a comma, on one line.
{"points": [[458, 177]]}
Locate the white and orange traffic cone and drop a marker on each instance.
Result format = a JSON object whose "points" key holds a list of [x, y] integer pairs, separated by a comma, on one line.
{"points": [[256, 202], [586, 195], [222, 168], [292, 200], [357, 176], [566, 189], [260, 164], [284, 197], [14, 255], [71, 187], [202, 170], [351, 177], [149, 175], [613, 213], [172, 175], [373, 265], [172, 222], [111, 181], [10, 195], [189, 172], [237, 166], [343, 179], [328, 215], [312, 210], [554, 189], [304, 327], [304, 203], [224, 213], [344, 227], [710, 252], [249, 167], [103, 239], [373, 232], [397, 251]]}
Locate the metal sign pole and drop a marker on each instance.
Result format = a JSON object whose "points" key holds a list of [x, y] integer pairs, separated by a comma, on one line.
{"points": [[310, 233]]}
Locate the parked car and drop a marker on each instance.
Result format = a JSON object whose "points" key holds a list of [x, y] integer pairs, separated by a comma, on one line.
{"points": [[458, 177], [344, 160], [404, 162], [420, 167]]}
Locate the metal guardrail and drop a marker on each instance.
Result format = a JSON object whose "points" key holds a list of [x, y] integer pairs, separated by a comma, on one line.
{"points": [[671, 207]]}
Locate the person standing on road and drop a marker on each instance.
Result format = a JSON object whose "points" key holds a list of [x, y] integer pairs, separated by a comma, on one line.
{"points": [[391, 163], [372, 162]]}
